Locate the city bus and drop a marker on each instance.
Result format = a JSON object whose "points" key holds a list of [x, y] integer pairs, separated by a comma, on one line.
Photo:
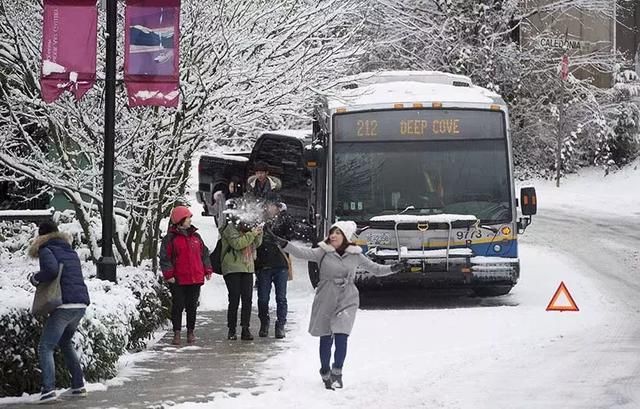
{"points": [[422, 162]]}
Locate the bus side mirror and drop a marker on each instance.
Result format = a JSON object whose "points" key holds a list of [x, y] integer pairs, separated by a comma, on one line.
{"points": [[528, 201], [529, 207], [313, 156]]}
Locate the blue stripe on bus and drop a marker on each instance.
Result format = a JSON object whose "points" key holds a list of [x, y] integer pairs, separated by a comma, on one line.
{"points": [[507, 249]]}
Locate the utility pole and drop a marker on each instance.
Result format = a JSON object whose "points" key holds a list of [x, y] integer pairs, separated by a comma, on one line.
{"points": [[560, 133], [564, 75], [106, 266], [615, 24]]}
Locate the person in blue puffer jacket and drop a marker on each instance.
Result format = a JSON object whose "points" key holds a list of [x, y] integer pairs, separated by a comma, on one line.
{"points": [[53, 248]]}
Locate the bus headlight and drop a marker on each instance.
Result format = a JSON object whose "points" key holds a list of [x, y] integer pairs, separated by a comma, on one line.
{"points": [[497, 248]]}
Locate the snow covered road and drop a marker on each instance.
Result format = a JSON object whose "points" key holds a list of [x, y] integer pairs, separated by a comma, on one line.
{"points": [[606, 251]]}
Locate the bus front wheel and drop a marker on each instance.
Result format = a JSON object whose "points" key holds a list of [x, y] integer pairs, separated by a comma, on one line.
{"points": [[492, 291]]}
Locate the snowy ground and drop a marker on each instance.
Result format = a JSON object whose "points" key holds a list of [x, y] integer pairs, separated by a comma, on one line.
{"points": [[590, 192]]}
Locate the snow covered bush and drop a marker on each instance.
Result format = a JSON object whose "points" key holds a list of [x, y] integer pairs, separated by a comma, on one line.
{"points": [[619, 142], [19, 334], [15, 236]]}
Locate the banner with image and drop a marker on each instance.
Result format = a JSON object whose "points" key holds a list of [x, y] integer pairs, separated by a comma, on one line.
{"points": [[69, 41], [151, 63]]}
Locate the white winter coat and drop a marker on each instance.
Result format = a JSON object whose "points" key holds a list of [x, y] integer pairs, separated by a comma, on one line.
{"points": [[337, 299]]}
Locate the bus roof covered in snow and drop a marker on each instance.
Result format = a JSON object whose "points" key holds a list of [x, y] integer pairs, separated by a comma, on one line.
{"points": [[403, 89]]}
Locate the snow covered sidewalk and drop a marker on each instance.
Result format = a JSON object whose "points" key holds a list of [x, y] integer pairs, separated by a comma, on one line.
{"points": [[165, 375]]}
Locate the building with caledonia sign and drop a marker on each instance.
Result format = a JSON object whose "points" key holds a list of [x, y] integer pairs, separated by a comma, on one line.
{"points": [[561, 43], [580, 32]]}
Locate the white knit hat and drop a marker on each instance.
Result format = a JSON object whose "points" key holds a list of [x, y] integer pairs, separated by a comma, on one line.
{"points": [[347, 227]]}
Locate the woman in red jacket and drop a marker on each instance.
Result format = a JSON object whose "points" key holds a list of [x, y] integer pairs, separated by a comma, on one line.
{"points": [[184, 261]]}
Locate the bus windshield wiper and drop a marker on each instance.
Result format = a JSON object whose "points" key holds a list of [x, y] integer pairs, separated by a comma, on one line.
{"points": [[410, 207], [492, 229]]}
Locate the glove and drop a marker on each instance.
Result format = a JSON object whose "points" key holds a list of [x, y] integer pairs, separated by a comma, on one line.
{"points": [[279, 240], [32, 279], [400, 266]]}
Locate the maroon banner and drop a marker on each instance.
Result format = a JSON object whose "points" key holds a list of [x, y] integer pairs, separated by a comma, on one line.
{"points": [[69, 41], [151, 60]]}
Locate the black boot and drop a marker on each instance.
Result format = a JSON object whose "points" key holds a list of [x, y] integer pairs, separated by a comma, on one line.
{"points": [[326, 379], [245, 335], [232, 334], [264, 329], [280, 330], [336, 378]]}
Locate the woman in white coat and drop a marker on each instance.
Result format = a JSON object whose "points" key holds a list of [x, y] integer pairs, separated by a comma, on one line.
{"points": [[337, 299]]}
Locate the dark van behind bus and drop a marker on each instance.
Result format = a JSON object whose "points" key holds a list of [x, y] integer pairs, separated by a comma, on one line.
{"points": [[283, 153]]}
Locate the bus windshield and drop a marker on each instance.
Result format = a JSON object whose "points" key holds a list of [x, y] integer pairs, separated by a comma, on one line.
{"points": [[433, 176]]}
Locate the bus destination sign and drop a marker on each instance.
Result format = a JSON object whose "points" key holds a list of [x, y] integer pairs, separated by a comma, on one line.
{"points": [[418, 124]]}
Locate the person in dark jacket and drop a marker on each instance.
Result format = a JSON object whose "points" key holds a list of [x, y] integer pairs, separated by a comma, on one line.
{"points": [[272, 267], [261, 184], [53, 248], [184, 261]]}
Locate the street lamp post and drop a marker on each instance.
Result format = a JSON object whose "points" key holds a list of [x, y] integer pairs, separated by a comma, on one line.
{"points": [[106, 266]]}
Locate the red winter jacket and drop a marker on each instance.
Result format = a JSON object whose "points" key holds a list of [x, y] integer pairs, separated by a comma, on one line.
{"points": [[184, 256]]}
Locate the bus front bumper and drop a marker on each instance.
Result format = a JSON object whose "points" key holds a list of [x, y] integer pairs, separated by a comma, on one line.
{"points": [[448, 272]]}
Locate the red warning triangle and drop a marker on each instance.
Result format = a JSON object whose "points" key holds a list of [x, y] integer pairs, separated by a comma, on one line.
{"points": [[562, 291]]}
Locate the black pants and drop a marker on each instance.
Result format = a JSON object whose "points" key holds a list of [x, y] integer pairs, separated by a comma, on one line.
{"points": [[239, 285], [184, 297]]}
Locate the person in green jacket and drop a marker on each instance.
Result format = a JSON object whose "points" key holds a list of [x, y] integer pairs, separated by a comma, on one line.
{"points": [[239, 244]]}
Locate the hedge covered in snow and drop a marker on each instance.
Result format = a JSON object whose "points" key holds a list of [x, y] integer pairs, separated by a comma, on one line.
{"points": [[121, 317]]}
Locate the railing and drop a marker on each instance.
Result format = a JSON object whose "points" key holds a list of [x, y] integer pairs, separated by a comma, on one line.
{"points": [[35, 216]]}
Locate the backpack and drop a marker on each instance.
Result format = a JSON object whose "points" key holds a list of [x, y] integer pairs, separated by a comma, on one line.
{"points": [[216, 256]]}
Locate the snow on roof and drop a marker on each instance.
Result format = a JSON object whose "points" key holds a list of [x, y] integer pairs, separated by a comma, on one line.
{"points": [[409, 92], [26, 213], [227, 156], [367, 78], [294, 133], [432, 218], [407, 87]]}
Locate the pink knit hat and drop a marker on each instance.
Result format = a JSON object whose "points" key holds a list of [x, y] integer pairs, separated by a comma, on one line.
{"points": [[178, 213]]}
